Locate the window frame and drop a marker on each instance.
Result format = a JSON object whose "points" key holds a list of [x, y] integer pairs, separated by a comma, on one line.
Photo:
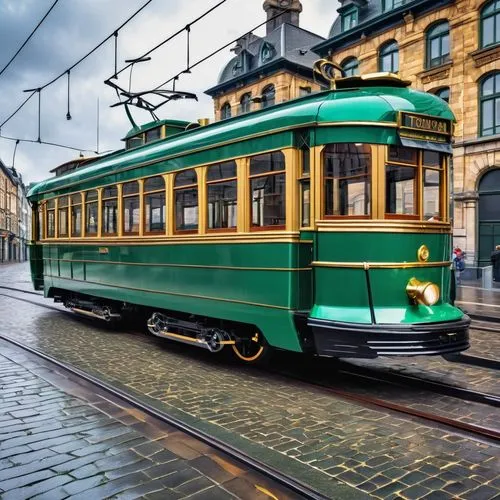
{"points": [[71, 205], [221, 181], [247, 98], [142, 205], [267, 91], [186, 187], [495, 14], [268, 173], [350, 64], [388, 48], [349, 19], [93, 234], [64, 207], [493, 97], [102, 205], [323, 179], [224, 115], [432, 34], [126, 196], [51, 210]]}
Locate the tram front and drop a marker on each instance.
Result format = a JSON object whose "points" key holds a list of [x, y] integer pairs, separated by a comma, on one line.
{"points": [[382, 272]]}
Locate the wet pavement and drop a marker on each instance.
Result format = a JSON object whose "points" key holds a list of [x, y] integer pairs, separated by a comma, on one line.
{"points": [[480, 302], [303, 430], [62, 438]]}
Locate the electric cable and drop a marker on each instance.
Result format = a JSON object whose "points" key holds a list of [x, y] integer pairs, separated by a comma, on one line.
{"points": [[55, 144], [28, 39], [220, 49], [38, 89]]}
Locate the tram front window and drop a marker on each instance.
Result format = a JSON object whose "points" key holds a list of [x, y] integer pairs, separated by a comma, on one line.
{"points": [[347, 177], [400, 190]]}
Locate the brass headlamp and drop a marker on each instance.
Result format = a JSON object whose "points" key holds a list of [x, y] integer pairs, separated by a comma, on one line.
{"points": [[422, 292]]}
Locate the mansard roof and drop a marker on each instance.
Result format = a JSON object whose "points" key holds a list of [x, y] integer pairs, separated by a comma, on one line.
{"points": [[287, 45], [372, 19]]}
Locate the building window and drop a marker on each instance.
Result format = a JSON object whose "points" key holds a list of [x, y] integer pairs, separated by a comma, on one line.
{"points": [[186, 201], [347, 180], [51, 218], [110, 211], [391, 4], [225, 111], [350, 66], [438, 45], [131, 208], [267, 52], [267, 189], [268, 96], [245, 103], [91, 211], [154, 205], [222, 195], [349, 19], [76, 215], [490, 105], [62, 224], [389, 57], [490, 24], [443, 93]]}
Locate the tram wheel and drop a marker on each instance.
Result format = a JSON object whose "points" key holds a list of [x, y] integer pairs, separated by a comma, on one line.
{"points": [[252, 350]]}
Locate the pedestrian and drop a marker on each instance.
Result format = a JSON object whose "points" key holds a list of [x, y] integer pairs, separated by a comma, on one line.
{"points": [[459, 263], [495, 262]]}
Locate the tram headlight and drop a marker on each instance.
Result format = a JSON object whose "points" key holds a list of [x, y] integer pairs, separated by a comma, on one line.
{"points": [[423, 292]]}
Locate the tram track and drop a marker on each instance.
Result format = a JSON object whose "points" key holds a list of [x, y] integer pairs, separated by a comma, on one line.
{"points": [[270, 472], [365, 373]]}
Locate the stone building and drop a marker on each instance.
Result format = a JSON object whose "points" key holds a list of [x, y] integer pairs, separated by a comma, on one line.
{"points": [[15, 216], [270, 69], [452, 49]]}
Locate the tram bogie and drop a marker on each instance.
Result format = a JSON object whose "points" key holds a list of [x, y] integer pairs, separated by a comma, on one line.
{"points": [[318, 225]]}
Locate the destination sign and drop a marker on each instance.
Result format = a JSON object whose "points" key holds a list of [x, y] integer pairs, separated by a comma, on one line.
{"points": [[414, 124]]}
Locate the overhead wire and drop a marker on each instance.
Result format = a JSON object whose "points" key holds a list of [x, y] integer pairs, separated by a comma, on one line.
{"points": [[42, 87], [35, 141], [28, 39], [220, 49]]}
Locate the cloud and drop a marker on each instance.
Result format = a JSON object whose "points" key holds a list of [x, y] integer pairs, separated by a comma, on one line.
{"points": [[73, 28]]}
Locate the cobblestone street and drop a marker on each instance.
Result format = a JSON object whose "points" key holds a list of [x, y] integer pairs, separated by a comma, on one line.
{"points": [[303, 430]]}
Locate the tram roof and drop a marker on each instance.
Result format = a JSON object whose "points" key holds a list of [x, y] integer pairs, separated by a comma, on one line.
{"points": [[365, 105]]}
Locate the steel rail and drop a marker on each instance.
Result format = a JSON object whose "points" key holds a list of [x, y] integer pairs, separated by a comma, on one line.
{"points": [[271, 472], [360, 372], [475, 430]]}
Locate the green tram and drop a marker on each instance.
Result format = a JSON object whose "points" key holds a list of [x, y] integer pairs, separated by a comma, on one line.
{"points": [[319, 225]]}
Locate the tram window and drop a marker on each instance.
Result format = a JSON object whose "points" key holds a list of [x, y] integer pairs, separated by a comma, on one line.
{"points": [[51, 218], [432, 195], [154, 205], [401, 190], [403, 155], [347, 177], [62, 229], [305, 187], [91, 211], [76, 215], [131, 208], [432, 159], [110, 210], [186, 201], [267, 187], [222, 195], [39, 228], [153, 134]]}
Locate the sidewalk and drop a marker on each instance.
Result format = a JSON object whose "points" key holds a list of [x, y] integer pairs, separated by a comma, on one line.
{"points": [[479, 302], [71, 441]]}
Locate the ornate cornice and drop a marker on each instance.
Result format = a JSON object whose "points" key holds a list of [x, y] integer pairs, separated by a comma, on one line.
{"points": [[485, 56]]}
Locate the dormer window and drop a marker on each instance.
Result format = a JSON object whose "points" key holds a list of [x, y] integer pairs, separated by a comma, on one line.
{"points": [[153, 135], [391, 4], [349, 19], [267, 52]]}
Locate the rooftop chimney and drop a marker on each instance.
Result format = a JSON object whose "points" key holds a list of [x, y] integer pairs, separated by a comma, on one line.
{"points": [[292, 8]]}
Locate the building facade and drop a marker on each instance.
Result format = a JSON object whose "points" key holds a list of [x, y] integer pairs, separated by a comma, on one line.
{"points": [[15, 216], [451, 49], [271, 69]]}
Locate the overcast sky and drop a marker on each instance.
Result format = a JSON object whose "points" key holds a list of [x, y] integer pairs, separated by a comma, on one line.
{"points": [[76, 26]]}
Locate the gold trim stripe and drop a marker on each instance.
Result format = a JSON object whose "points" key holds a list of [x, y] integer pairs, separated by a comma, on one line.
{"points": [[195, 266], [147, 290], [379, 265]]}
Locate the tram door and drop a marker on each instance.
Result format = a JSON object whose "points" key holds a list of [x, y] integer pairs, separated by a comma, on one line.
{"points": [[489, 215]]}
